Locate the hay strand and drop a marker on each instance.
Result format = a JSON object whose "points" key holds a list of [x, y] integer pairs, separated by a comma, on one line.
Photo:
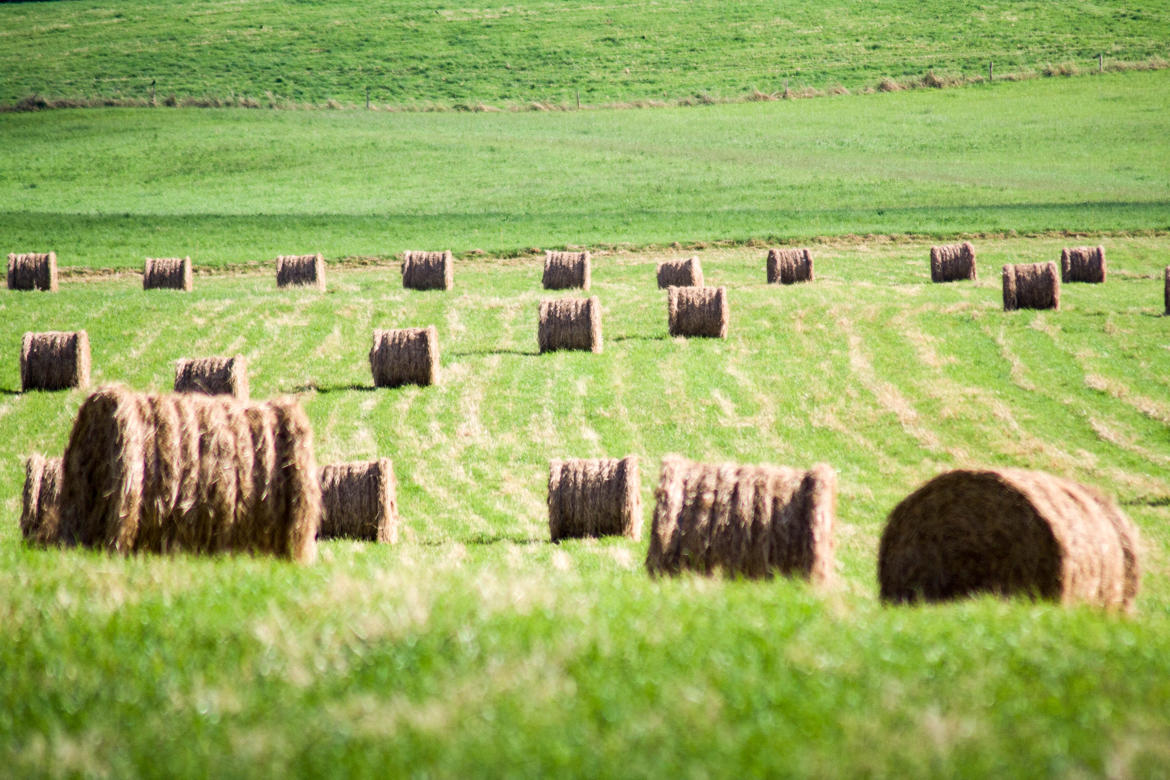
{"points": [[33, 271], [680, 273], [594, 497], [789, 266], [570, 323], [54, 360], [697, 311], [40, 511], [301, 271], [406, 356], [213, 376], [1083, 264], [428, 270], [359, 501], [1031, 286], [167, 273], [952, 262], [566, 270]]}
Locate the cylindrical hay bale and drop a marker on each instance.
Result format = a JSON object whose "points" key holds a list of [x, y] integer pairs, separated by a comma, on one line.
{"points": [[33, 271], [750, 521], [190, 473], [789, 266], [570, 323], [54, 360], [167, 273], [301, 271], [1031, 286], [360, 501], [952, 262], [566, 270], [1083, 264], [213, 376], [697, 311], [40, 513], [1008, 532], [428, 270], [406, 356], [680, 273], [594, 497]]}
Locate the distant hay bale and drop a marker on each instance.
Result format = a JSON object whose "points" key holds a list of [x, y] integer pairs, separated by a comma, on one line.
{"points": [[213, 376], [750, 521], [952, 262], [570, 323], [1008, 532], [428, 270], [566, 270], [40, 513], [1031, 286], [54, 360], [301, 271], [789, 266], [406, 356], [359, 501], [680, 273], [1083, 264], [167, 273], [594, 497], [33, 271], [697, 311], [191, 473]]}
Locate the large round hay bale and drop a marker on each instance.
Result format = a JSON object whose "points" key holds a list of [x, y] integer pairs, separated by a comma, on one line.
{"points": [[1031, 286], [359, 501], [301, 271], [54, 360], [167, 273], [405, 356], [1008, 532], [750, 521], [428, 270], [680, 273], [1083, 264], [33, 271], [594, 497], [569, 323], [41, 501], [566, 270], [190, 473], [952, 262], [213, 376], [697, 311], [789, 266]]}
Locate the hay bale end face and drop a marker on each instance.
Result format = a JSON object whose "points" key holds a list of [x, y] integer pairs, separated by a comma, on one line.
{"points": [[33, 271], [1083, 264], [40, 512], [54, 360], [301, 271], [213, 376], [697, 311], [167, 273], [952, 262], [789, 266], [566, 270], [406, 356], [359, 501], [428, 270], [1008, 532], [570, 323], [1031, 286], [680, 273], [749, 521], [593, 498]]}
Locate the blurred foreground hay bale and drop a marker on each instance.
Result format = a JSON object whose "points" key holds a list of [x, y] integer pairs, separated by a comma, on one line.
{"points": [[594, 497], [40, 513]]}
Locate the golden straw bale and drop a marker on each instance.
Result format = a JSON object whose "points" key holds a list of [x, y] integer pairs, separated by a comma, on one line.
{"points": [[40, 512], [54, 360], [301, 271], [594, 497], [566, 270], [213, 376], [1083, 264], [167, 273], [680, 273], [1031, 286], [428, 270], [697, 311], [570, 323], [33, 271], [789, 266], [952, 262], [360, 501], [405, 356]]}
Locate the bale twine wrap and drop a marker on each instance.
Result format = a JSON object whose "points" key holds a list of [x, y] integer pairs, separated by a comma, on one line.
{"points": [[54, 360], [594, 497], [33, 271], [697, 311], [213, 376], [1008, 532], [789, 266], [359, 501], [1031, 286], [192, 473], [570, 323], [167, 273], [751, 521], [1166, 290], [566, 270], [428, 270], [300, 271], [40, 513], [680, 273], [405, 356], [1083, 264], [952, 262]]}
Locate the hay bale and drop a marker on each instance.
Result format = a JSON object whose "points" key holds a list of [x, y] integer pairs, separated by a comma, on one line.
{"points": [[359, 501], [594, 497], [406, 356], [192, 473], [1083, 264], [750, 521], [33, 271], [40, 513], [213, 376], [566, 270], [54, 360], [789, 266], [1031, 286], [428, 270], [697, 311], [680, 273], [167, 273], [952, 262], [570, 323], [1008, 532], [301, 271]]}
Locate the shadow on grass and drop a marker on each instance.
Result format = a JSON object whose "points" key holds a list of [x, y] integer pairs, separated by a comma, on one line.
{"points": [[332, 388], [6, 391], [485, 352], [636, 337], [488, 539]]}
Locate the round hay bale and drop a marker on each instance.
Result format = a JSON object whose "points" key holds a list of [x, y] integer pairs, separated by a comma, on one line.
{"points": [[566, 270], [167, 273], [697, 311], [428, 270], [41, 501], [1083, 264], [190, 473], [749, 521], [301, 271], [213, 376], [680, 273], [360, 501], [570, 323], [789, 266], [1031, 286], [33, 271], [1008, 532], [952, 262], [405, 356], [54, 360], [594, 497]]}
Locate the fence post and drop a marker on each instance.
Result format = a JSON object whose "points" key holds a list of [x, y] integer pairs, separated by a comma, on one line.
{"points": [[578, 99], [991, 71], [367, 98], [1100, 63]]}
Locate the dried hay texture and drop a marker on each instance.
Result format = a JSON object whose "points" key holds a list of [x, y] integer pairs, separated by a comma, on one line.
{"points": [[359, 501], [54, 360], [213, 376], [301, 271], [428, 271], [566, 270], [33, 271], [952, 262], [167, 273], [789, 266], [750, 521], [680, 273], [1083, 264], [191, 473], [1008, 532], [406, 356], [1031, 286], [594, 497], [570, 323], [697, 311], [40, 514]]}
